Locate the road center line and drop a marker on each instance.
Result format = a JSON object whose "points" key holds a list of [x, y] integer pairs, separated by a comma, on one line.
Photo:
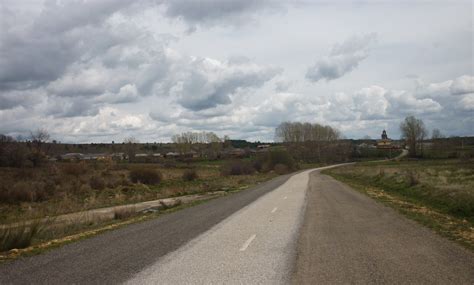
{"points": [[247, 243], [274, 210]]}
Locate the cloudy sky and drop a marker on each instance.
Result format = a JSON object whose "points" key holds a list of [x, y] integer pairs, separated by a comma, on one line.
{"points": [[103, 70]]}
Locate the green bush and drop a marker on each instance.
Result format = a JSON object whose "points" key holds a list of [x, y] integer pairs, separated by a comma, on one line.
{"points": [[145, 175]]}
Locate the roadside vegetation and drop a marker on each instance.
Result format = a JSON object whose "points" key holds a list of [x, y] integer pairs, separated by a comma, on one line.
{"points": [[55, 188], [437, 193]]}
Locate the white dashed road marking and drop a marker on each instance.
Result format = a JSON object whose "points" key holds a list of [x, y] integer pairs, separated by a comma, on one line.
{"points": [[274, 210], [247, 243]]}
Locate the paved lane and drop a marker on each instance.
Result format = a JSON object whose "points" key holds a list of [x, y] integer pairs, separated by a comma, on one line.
{"points": [[348, 238], [255, 245], [116, 256]]}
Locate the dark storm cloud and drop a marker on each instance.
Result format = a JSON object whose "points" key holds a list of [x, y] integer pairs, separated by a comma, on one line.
{"points": [[33, 55], [74, 50]]}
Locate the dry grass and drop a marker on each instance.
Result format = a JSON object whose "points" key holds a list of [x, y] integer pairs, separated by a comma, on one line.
{"points": [[18, 237], [49, 191], [61, 188], [124, 213]]}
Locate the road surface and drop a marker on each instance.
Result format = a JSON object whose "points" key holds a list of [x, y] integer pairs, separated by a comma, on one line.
{"points": [[303, 229], [347, 237]]}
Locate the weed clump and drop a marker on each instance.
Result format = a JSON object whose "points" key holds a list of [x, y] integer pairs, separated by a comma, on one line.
{"points": [[413, 178], [124, 213], [190, 175], [74, 169], [237, 167], [18, 237], [97, 182], [145, 175], [23, 192], [281, 169], [269, 161]]}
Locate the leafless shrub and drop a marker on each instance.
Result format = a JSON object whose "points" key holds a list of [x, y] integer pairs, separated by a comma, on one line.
{"points": [[75, 169], [237, 167], [145, 175], [97, 182], [281, 169], [190, 175], [23, 192]]}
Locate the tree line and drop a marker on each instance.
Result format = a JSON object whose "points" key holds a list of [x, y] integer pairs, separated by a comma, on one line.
{"points": [[313, 142], [295, 132]]}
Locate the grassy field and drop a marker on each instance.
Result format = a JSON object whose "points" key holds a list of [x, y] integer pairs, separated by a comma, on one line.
{"points": [[70, 187], [436, 193], [66, 187]]}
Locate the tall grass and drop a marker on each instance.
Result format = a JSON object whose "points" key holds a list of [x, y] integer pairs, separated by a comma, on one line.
{"points": [[18, 237]]}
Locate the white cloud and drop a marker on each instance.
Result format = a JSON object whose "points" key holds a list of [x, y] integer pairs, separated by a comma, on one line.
{"points": [[207, 83], [467, 102], [103, 70], [462, 85], [343, 59]]}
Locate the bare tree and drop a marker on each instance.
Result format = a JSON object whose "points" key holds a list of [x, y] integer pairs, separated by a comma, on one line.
{"points": [[414, 132], [38, 146], [130, 147], [184, 140], [436, 134], [39, 138], [295, 132], [311, 142]]}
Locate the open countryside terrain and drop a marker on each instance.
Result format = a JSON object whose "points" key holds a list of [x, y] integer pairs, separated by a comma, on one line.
{"points": [[236, 142]]}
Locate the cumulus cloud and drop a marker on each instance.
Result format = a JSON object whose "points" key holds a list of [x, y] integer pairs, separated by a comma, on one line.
{"points": [[207, 83], [467, 102], [103, 70], [462, 85], [459, 86], [31, 56], [100, 58], [343, 58]]}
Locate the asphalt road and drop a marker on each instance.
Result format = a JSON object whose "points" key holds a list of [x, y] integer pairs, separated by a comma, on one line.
{"points": [[256, 245], [347, 237], [116, 256], [303, 229]]}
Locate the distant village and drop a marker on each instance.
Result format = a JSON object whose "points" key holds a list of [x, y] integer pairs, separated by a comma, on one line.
{"points": [[201, 152], [155, 152]]}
